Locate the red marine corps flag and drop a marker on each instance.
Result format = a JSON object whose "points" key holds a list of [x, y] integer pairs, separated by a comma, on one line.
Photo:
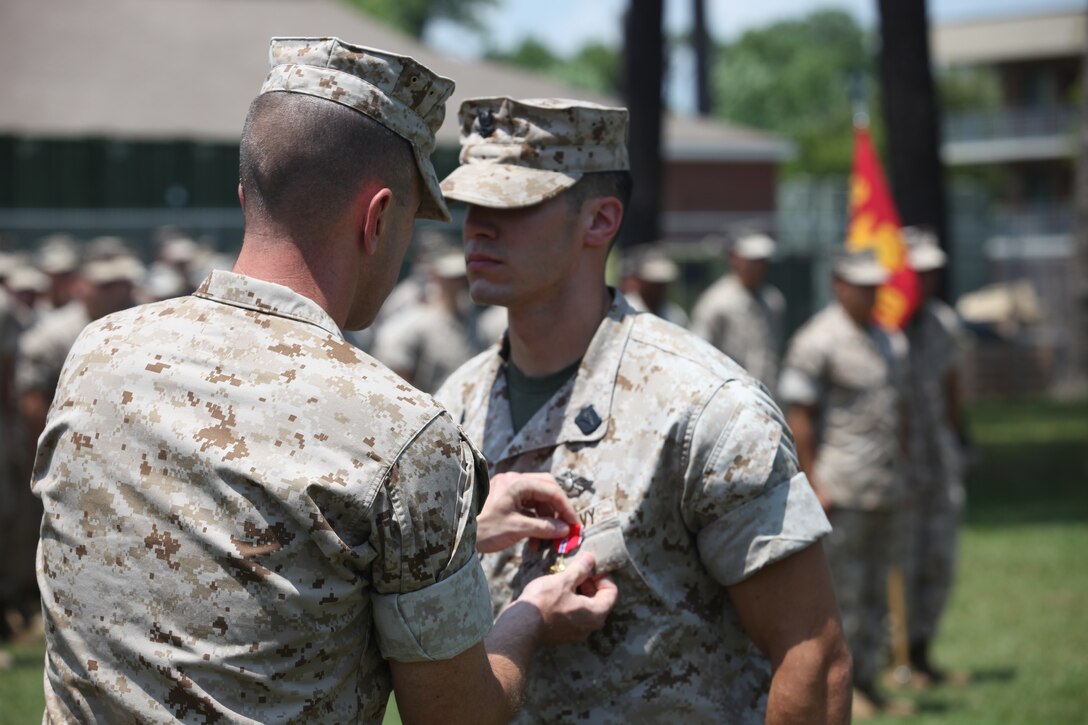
{"points": [[874, 224]]}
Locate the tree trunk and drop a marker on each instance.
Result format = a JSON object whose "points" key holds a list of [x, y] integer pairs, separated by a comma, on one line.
{"points": [[912, 119], [701, 45], [643, 61]]}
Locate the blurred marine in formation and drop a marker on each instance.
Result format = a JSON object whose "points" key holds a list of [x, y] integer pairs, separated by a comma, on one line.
{"points": [[844, 381], [425, 342], [646, 285], [679, 464], [741, 314], [937, 430], [248, 519]]}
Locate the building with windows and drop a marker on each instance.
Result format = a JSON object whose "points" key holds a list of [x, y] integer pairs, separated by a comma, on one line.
{"points": [[1023, 144]]}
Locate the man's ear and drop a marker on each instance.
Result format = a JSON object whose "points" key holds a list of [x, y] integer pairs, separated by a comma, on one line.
{"points": [[604, 214], [374, 218], [241, 196]]}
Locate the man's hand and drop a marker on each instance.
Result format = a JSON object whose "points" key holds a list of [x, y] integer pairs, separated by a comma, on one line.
{"points": [[520, 506], [571, 605]]}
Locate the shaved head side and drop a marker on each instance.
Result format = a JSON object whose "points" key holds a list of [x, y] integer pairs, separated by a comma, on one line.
{"points": [[303, 160]]}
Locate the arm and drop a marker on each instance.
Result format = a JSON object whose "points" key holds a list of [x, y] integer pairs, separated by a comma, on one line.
{"points": [[954, 407], [485, 683], [523, 505], [788, 609], [802, 421]]}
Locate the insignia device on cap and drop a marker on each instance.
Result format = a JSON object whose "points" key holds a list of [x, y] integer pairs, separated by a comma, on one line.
{"points": [[394, 90], [517, 153]]}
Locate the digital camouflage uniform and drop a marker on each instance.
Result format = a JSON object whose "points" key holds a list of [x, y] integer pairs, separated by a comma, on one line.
{"points": [[244, 516], [855, 378], [686, 480], [746, 327], [937, 493], [43, 348]]}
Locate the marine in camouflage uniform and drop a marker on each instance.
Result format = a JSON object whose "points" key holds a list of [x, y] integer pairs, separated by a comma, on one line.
{"points": [[246, 518], [934, 455], [425, 343], [679, 464], [844, 379], [743, 316]]}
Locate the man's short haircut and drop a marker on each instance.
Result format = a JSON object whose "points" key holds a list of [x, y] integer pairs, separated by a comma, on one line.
{"points": [[303, 159], [600, 183], [594, 184]]}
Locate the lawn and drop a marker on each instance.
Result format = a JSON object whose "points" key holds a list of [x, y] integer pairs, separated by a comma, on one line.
{"points": [[1016, 623]]}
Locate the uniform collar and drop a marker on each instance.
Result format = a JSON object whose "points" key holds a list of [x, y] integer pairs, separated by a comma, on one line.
{"points": [[580, 411], [270, 298]]}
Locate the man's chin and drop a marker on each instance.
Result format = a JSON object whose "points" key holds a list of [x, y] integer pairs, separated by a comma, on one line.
{"points": [[485, 294]]}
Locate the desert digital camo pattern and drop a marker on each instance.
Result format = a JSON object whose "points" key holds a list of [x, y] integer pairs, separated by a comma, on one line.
{"points": [[935, 465], [43, 347], [686, 481], [856, 379], [516, 153], [243, 515], [396, 91], [746, 327]]}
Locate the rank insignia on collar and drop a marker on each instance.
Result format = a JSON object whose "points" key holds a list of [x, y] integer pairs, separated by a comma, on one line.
{"points": [[588, 420]]}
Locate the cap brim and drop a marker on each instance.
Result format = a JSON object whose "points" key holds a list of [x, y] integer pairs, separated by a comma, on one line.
{"points": [[505, 186], [432, 205], [865, 277], [927, 261]]}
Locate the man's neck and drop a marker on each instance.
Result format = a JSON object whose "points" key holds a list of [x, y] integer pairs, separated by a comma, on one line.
{"points": [[547, 338], [285, 264]]}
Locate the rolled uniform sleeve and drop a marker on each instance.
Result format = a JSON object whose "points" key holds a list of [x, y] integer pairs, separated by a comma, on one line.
{"points": [[744, 496], [431, 600]]}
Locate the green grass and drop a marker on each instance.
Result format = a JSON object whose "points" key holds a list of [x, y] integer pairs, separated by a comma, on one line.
{"points": [[21, 698], [1017, 621]]}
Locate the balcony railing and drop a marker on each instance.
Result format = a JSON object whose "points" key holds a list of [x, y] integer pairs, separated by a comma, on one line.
{"points": [[1010, 123], [1037, 218]]}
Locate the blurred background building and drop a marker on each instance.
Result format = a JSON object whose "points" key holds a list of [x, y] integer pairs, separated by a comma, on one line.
{"points": [[127, 120], [130, 117]]}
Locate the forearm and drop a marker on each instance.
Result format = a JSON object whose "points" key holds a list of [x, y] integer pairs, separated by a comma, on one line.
{"points": [[510, 648], [801, 422], [812, 684]]}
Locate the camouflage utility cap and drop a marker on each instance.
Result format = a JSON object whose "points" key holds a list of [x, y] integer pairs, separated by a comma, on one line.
{"points": [[519, 153], [860, 268], [396, 91]]}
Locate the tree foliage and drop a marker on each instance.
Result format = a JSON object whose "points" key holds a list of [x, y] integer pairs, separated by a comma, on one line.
{"points": [[794, 77], [595, 67], [412, 16]]}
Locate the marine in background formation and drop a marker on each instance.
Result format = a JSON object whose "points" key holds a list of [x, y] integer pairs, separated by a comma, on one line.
{"points": [[741, 314], [844, 380], [937, 434]]}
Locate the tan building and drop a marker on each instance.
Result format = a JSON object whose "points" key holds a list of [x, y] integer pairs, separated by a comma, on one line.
{"points": [[1026, 146]]}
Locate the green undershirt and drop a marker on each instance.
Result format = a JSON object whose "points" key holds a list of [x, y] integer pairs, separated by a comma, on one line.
{"points": [[529, 393]]}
